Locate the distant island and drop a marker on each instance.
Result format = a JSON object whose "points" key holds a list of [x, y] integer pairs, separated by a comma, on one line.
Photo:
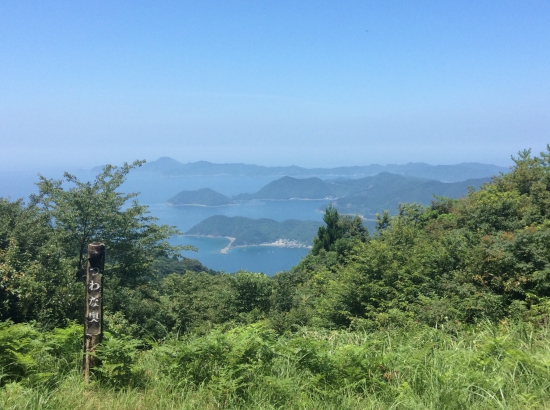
{"points": [[251, 232], [292, 188], [443, 173], [203, 197], [370, 195], [364, 196]]}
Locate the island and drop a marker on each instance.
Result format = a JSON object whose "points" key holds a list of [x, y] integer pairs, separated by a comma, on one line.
{"points": [[444, 173], [356, 196], [286, 188], [201, 197], [242, 231], [364, 196]]}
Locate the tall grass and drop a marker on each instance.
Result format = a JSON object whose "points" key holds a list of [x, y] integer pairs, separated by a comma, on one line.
{"points": [[489, 366]]}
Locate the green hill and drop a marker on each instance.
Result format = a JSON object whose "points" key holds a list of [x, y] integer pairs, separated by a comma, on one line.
{"points": [[292, 188], [370, 195], [365, 196], [248, 231], [205, 196]]}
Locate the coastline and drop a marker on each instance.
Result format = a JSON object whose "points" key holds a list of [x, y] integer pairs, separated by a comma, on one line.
{"points": [[279, 243], [226, 249]]}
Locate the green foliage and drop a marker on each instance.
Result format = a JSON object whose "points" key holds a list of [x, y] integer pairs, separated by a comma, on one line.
{"points": [[485, 366], [35, 281], [197, 301], [248, 231], [180, 265], [461, 260], [95, 211], [340, 233], [43, 247], [119, 357], [229, 360], [329, 234], [444, 306], [32, 357]]}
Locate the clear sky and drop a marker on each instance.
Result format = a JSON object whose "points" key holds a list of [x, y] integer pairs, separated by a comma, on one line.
{"points": [[310, 83]]}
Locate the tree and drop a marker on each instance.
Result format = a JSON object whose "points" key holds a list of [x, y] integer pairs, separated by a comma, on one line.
{"points": [[339, 232], [352, 231], [43, 248], [82, 212], [327, 235], [35, 283]]}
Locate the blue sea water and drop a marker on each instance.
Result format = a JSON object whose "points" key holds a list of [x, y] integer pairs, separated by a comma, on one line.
{"points": [[154, 190], [266, 259]]}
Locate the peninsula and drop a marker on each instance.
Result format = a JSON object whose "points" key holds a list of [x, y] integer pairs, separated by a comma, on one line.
{"points": [[243, 231]]}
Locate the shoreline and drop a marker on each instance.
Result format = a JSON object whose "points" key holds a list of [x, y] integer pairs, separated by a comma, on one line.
{"points": [[280, 243], [286, 199], [275, 245], [226, 249]]}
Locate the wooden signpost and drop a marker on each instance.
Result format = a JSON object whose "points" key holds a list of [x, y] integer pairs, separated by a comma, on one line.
{"points": [[93, 321]]}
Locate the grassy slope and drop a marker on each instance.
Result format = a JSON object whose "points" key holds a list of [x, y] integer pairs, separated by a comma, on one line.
{"points": [[407, 367]]}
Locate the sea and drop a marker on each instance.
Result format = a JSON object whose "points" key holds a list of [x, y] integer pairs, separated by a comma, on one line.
{"points": [[154, 191]]}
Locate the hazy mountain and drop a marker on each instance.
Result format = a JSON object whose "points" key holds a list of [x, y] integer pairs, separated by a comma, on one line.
{"points": [[205, 196], [387, 191], [248, 231], [292, 188], [444, 173], [367, 195]]}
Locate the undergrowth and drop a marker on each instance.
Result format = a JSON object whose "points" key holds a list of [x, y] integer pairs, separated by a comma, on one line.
{"points": [[413, 366]]}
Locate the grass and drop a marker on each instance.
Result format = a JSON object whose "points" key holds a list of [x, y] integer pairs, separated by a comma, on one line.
{"points": [[489, 366]]}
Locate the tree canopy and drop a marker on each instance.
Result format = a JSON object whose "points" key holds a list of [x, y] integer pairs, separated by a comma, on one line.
{"points": [[43, 245]]}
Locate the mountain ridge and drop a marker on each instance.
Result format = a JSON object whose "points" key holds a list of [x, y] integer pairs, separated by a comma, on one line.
{"points": [[444, 173]]}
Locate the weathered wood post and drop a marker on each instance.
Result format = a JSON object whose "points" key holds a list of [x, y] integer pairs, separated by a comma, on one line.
{"points": [[93, 321]]}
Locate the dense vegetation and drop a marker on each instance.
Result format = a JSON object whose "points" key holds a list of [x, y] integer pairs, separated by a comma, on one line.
{"points": [[443, 306], [248, 231]]}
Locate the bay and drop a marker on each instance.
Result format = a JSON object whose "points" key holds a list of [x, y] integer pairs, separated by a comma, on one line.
{"points": [[155, 189], [266, 259]]}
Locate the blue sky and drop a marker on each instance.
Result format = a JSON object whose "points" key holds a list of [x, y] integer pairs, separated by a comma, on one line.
{"points": [[84, 83]]}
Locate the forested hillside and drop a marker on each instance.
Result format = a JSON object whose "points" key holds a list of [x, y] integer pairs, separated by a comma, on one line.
{"points": [[248, 231], [365, 196], [444, 306], [292, 188]]}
